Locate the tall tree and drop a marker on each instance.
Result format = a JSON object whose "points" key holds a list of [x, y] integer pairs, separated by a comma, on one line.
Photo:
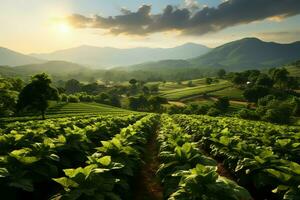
{"points": [[36, 94], [221, 73], [72, 86]]}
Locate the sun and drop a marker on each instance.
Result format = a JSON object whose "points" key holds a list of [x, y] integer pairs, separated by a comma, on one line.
{"points": [[63, 28]]}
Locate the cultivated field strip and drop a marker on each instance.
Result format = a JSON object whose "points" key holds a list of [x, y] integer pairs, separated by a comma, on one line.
{"points": [[31, 156], [186, 173], [263, 157]]}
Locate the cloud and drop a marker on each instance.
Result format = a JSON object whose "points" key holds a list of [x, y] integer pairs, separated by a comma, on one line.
{"points": [[190, 20], [192, 4], [281, 36]]}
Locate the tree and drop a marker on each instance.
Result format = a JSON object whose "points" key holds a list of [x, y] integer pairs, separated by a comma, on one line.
{"points": [[254, 93], [221, 73], [36, 94], [154, 89], [190, 84], [8, 100], [264, 80], [132, 81], [208, 80], [156, 101], [72, 86], [222, 103], [280, 77], [115, 101], [146, 90]]}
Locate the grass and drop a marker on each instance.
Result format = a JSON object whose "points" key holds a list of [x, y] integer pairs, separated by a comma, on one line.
{"points": [[231, 92], [181, 93]]}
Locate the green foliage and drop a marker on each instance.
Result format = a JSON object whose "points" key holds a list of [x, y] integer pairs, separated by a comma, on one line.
{"points": [[36, 94], [262, 156], [73, 99], [208, 81], [221, 73], [254, 93], [248, 114], [188, 174], [213, 112], [222, 103], [35, 153]]}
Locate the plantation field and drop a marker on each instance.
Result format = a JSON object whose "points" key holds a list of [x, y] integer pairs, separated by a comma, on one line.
{"points": [[177, 94], [231, 92], [184, 84], [70, 108], [149, 156], [59, 110]]}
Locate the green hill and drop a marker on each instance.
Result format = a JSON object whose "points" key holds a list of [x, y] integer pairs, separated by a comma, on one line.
{"points": [[55, 68], [249, 53], [13, 58]]}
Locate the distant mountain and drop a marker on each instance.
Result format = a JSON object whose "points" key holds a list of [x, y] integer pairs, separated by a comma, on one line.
{"points": [[103, 57], [54, 68], [161, 65], [12, 58], [249, 53]]}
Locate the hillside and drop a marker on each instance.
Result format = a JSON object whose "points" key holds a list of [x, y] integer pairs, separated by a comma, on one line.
{"points": [[54, 68], [249, 53], [102, 57], [13, 58], [294, 68], [161, 65]]}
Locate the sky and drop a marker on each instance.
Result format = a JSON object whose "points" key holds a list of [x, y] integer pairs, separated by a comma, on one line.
{"points": [[40, 26]]}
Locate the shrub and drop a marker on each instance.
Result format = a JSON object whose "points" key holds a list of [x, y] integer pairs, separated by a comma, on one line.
{"points": [[248, 114], [64, 98], [73, 99], [222, 103], [213, 112]]}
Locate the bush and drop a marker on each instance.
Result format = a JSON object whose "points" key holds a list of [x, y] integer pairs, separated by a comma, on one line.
{"points": [[276, 111], [265, 100], [214, 112], [281, 114], [173, 109], [254, 93], [248, 114], [73, 99], [222, 103], [64, 98], [202, 110]]}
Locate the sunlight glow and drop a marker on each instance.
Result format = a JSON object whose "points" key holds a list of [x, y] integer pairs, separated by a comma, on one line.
{"points": [[64, 28]]}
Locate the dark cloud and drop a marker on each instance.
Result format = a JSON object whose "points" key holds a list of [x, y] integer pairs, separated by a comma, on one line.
{"points": [[188, 21]]}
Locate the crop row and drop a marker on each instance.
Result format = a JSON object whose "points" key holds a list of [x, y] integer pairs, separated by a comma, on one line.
{"points": [[109, 172], [263, 157], [32, 154], [188, 174]]}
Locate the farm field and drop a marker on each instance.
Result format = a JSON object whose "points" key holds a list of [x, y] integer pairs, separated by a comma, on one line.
{"points": [[130, 156], [60, 110], [231, 92], [177, 94]]}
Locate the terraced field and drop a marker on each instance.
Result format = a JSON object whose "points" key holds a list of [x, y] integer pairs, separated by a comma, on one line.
{"points": [[178, 94], [67, 110]]}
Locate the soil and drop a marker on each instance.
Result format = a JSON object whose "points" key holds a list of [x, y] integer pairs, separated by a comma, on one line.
{"points": [[147, 185]]}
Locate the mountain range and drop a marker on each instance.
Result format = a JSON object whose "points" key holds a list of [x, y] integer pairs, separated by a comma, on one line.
{"points": [[107, 57], [247, 53], [13, 58]]}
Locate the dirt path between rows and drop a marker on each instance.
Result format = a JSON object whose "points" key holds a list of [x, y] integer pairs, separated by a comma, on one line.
{"points": [[147, 185]]}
